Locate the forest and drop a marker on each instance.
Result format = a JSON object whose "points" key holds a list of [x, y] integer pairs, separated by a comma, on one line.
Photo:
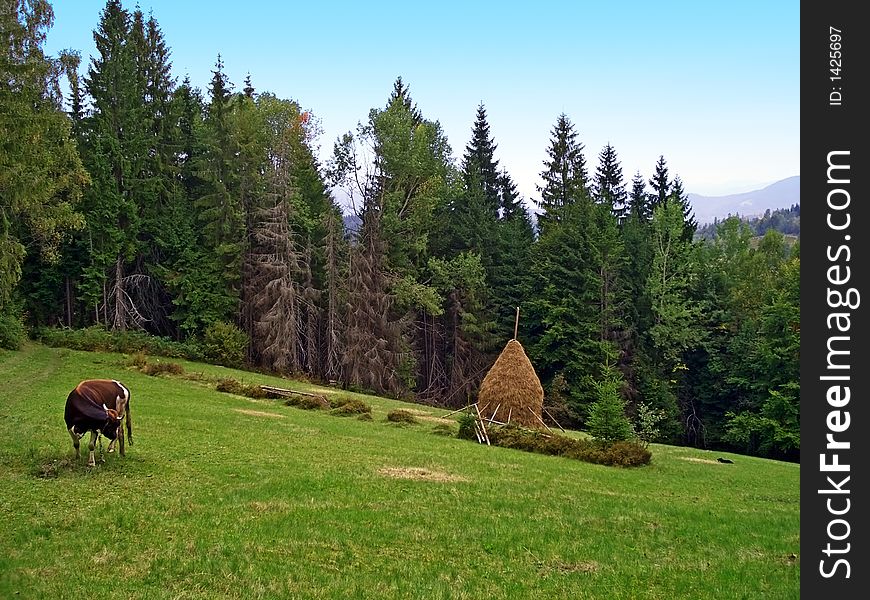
{"points": [[139, 203]]}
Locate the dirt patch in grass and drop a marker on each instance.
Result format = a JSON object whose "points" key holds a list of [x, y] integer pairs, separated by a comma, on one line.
{"points": [[418, 474], [269, 507], [257, 413], [706, 461], [560, 567]]}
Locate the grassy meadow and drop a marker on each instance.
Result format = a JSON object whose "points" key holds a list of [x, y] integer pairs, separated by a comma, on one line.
{"points": [[223, 496]]}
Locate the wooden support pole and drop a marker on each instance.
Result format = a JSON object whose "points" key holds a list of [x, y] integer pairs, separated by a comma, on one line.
{"points": [[554, 420], [517, 323], [538, 417], [482, 427], [458, 410]]}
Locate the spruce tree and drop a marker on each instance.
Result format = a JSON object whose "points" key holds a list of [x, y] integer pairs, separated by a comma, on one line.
{"points": [[660, 184], [678, 195], [609, 186], [565, 176], [116, 151], [479, 164], [220, 210]]}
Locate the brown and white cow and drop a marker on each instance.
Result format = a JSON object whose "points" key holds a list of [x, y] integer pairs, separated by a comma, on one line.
{"points": [[99, 406]]}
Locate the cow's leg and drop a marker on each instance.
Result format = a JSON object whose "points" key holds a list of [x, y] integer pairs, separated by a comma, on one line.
{"points": [[120, 439], [75, 439], [91, 447]]}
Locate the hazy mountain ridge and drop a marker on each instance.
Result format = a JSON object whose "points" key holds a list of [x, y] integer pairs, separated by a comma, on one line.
{"points": [[781, 194]]}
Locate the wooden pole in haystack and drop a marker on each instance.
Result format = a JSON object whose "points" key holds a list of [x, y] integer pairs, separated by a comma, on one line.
{"points": [[517, 323]]}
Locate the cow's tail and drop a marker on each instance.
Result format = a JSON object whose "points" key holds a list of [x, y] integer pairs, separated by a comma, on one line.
{"points": [[129, 421]]}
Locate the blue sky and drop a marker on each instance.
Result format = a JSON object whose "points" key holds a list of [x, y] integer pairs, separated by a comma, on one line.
{"points": [[711, 86]]}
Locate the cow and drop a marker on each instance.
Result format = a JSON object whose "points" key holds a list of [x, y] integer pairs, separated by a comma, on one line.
{"points": [[99, 406]]}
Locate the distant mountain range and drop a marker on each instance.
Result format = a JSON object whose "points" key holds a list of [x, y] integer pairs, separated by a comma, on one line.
{"points": [[782, 194]]}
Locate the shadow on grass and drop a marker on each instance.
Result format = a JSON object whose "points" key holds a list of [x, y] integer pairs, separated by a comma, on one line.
{"points": [[54, 466]]}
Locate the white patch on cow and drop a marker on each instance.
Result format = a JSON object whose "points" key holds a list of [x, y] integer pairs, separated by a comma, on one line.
{"points": [[124, 390], [75, 439]]}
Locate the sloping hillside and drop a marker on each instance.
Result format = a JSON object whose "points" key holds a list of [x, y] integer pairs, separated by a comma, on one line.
{"points": [[222, 496]]}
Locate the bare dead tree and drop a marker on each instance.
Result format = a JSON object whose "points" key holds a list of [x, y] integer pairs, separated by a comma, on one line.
{"points": [[372, 357], [310, 299], [272, 263], [334, 290]]}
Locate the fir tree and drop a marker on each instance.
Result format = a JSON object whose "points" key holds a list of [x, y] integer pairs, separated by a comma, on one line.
{"points": [[660, 184], [479, 164], [565, 176], [609, 187]]}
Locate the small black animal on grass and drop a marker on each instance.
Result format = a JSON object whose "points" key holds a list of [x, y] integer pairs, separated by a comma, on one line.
{"points": [[727, 461]]}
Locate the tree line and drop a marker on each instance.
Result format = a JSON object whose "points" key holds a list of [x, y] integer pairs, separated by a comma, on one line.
{"points": [[139, 202]]}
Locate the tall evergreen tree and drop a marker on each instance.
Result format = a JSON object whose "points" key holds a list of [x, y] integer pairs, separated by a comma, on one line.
{"points": [[609, 186], [678, 195], [565, 175], [638, 200], [221, 212], [116, 149], [660, 184], [479, 164]]}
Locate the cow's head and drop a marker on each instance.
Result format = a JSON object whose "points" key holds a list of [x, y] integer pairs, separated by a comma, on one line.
{"points": [[113, 423]]}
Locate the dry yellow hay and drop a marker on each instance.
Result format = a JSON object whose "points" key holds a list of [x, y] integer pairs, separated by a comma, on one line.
{"points": [[512, 388]]}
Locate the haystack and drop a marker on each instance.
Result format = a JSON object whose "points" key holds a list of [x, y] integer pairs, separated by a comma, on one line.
{"points": [[512, 388]]}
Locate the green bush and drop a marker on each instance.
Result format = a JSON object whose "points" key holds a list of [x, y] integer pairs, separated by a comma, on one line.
{"points": [[98, 339], [225, 344], [231, 386], [12, 331], [352, 407], [159, 368], [307, 402], [401, 416], [467, 428], [623, 453]]}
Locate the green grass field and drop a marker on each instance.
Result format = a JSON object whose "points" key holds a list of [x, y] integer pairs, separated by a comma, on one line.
{"points": [[227, 497]]}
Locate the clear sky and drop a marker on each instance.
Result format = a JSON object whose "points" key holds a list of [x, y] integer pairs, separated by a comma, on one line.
{"points": [[711, 86]]}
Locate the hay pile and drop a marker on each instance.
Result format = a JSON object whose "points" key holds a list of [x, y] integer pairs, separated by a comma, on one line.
{"points": [[512, 387]]}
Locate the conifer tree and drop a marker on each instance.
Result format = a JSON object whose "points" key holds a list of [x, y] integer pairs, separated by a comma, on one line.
{"points": [[660, 184], [221, 213], [116, 151], [678, 195], [638, 200], [479, 165], [565, 176], [609, 187]]}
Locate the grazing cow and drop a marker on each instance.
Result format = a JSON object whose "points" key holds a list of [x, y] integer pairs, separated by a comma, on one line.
{"points": [[99, 406]]}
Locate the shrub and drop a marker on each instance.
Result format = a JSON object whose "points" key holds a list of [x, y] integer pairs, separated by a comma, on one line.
{"points": [[12, 331], [225, 344], [159, 368], [307, 402], [646, 427], [623, 454], [352, 407], [232, 386], [401, 416], [97, 339], [138, 360], [467, 427], [444, 429]]}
